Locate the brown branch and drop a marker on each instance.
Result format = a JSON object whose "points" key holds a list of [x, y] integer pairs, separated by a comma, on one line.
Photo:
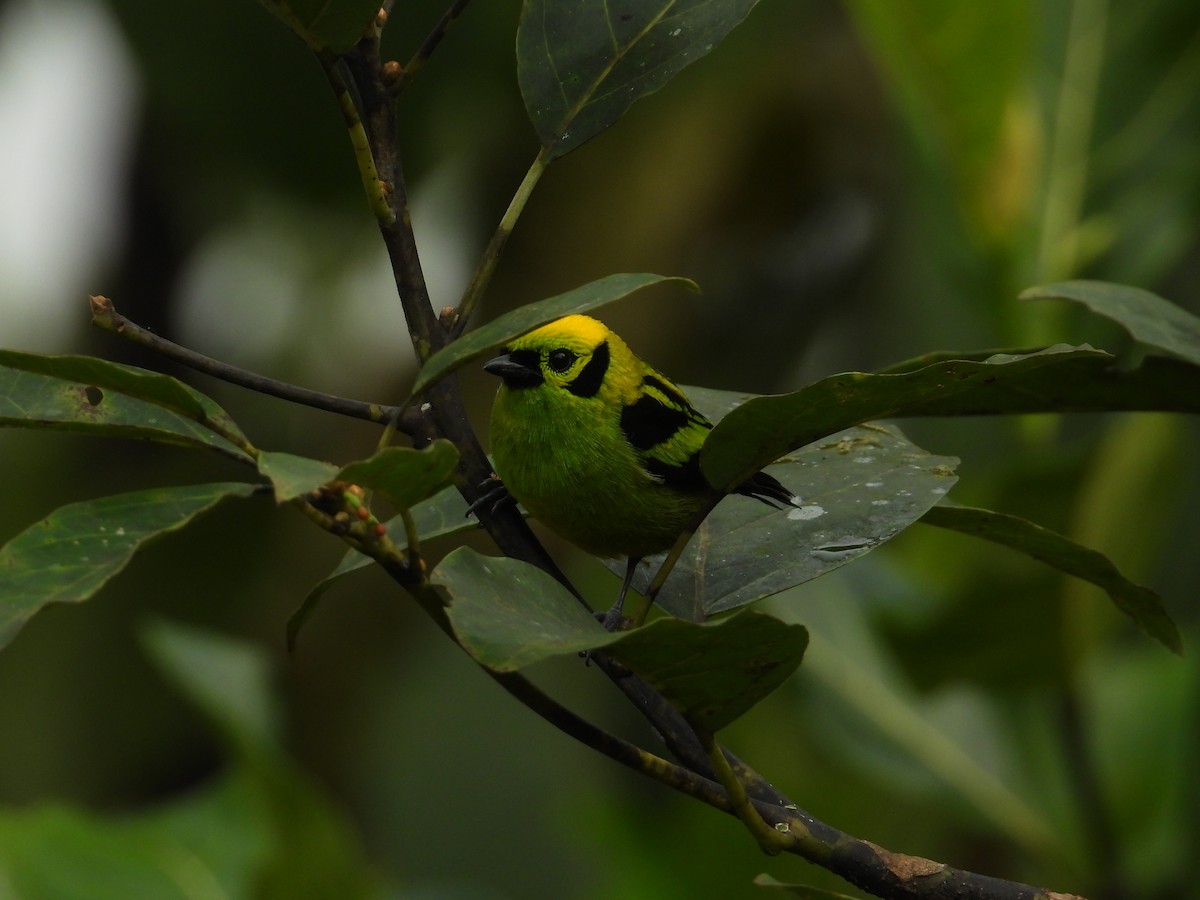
{"points": [[106, 317]]}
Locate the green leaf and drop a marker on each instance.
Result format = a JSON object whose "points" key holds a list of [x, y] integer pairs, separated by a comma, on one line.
{"points": [[154, 387], [88, 395], [1141, 604], [713, 673], [764, 429], [508, 614], [500, 331], [1086, 384], [72, 553], [1150, 320], [582, 63], [404, 475], [294, 476], [858, 489], [334, 25]]}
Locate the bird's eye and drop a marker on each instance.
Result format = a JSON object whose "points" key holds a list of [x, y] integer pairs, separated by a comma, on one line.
{"points": [[560, 360]]}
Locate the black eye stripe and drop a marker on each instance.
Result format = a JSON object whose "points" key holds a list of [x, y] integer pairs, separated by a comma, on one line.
{"points": [[591, 376]]}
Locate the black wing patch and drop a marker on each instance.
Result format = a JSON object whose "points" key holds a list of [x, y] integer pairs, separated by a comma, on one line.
{"points": [[667, 433], [649, 422]]}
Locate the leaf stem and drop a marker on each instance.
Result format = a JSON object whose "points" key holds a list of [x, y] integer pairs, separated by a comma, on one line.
{"points": [[771, 840], [495, 248], [431, 42]]}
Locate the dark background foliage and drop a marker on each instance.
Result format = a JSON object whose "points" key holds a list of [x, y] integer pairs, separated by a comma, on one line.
{"points": [[851, 184]]}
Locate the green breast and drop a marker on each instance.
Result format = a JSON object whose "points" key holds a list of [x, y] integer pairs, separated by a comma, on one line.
{"points": [[567, 461]]}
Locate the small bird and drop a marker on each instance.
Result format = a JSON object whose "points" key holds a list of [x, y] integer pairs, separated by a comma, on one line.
{"points": [[600, 447]]}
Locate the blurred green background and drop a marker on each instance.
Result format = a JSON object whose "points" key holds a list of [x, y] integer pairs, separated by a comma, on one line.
{"points": [[851, 184]]}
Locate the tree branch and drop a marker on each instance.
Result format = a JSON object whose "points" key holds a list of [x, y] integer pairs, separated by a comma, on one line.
{"points": [[106, 317]]}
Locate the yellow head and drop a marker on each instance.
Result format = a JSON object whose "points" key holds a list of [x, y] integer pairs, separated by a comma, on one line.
{"points": [[577, 354]]}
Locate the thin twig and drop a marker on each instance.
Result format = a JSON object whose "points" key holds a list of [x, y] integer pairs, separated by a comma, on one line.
{"points": [[431, 42], [495, 248], [106, 317]]}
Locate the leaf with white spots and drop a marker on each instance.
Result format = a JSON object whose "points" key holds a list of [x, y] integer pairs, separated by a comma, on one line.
{"points": [[74, 551], [858, 489]]}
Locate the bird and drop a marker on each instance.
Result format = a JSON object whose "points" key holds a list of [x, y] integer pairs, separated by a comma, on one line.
{"points": [[599, 446]]}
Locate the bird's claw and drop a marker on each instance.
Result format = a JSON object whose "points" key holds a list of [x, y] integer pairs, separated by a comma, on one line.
{"points": [[494, 498]]}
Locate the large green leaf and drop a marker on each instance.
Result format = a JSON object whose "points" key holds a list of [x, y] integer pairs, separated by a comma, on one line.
{"points": [[144, 384], [1155, 323], [858, 489], [500, 331], [714, 673], [1084, 384], [764, 429], [334, 25], [70, 554], [508, 614], [1141, 604], [582, 63], [404, 475], [92, 396]]}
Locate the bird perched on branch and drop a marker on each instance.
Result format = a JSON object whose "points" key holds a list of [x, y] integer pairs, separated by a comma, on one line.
{"points": [[600, 447]]}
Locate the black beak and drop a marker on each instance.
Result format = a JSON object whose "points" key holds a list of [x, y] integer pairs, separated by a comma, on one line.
{"points": [[516, 373]]}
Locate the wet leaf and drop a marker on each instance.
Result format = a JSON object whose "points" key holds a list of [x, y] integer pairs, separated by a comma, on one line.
{"points": [[582, 63], [764, 429], [494, 335], [74, 551], [858, 489]]}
